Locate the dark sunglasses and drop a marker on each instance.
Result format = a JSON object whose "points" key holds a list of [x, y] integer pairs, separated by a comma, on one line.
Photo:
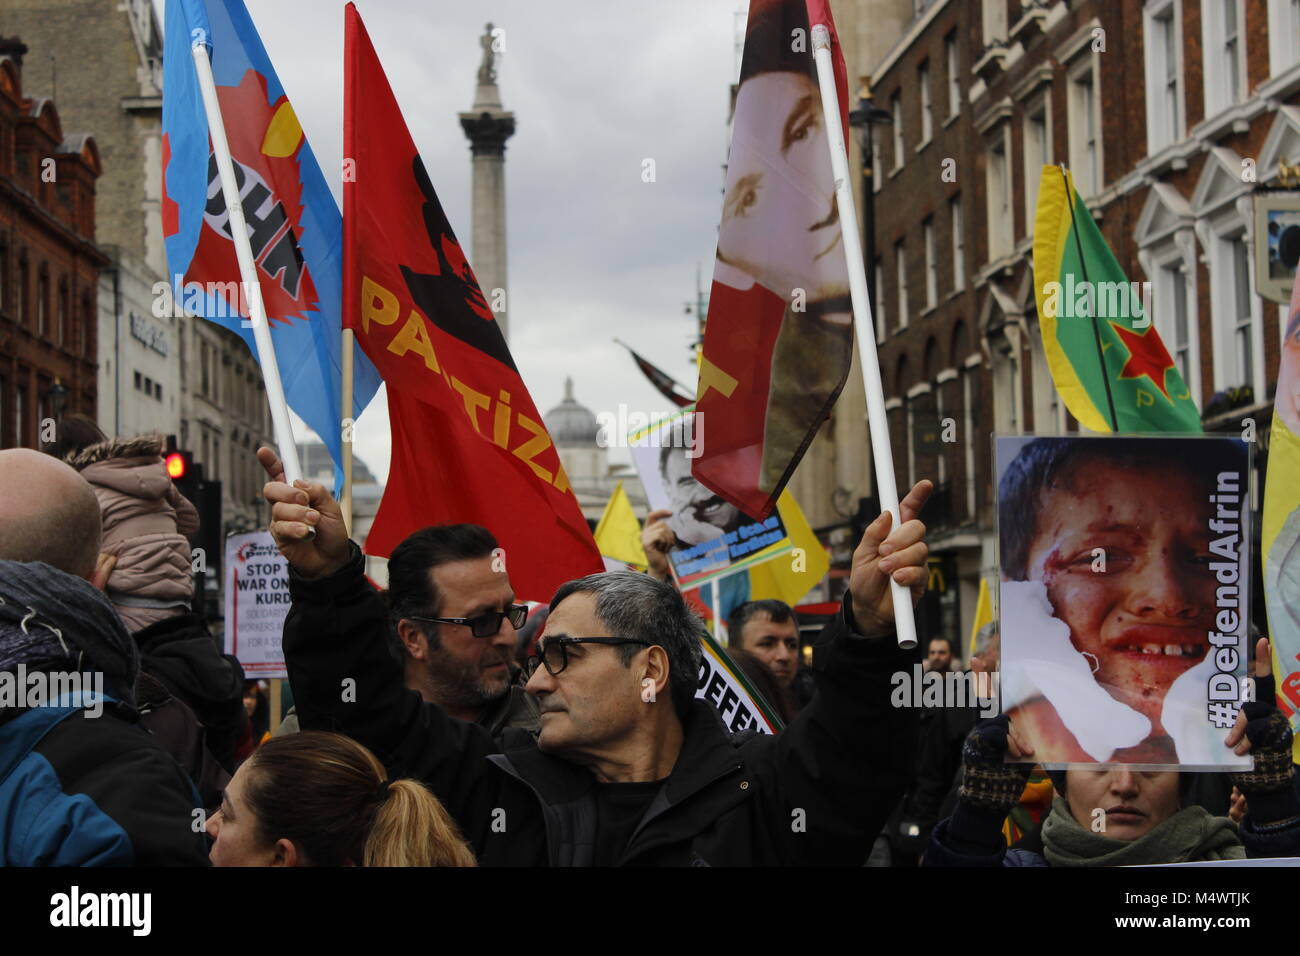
{"points": [[554, 652], [486, 624]]}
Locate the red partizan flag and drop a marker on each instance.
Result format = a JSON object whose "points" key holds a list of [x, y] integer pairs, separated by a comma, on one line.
{"points": [[778, 341], [468, 442]]}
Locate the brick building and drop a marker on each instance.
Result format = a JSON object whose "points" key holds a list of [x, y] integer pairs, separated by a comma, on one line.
{"points": [[49, 265], [1171, 115]]}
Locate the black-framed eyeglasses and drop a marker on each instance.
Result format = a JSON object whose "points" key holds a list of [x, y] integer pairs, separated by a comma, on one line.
{"points": [[486, 624], [554, 652]]}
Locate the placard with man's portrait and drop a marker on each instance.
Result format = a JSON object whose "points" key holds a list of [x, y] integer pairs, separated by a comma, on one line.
{"points": [[714, 537], [1124, 597]]}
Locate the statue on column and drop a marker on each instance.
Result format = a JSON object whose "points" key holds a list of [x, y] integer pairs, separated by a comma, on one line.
{"points": [[487, 71]]}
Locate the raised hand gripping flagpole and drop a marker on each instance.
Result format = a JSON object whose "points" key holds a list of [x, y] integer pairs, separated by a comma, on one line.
{"points": [[864, 327], [247, 267]]}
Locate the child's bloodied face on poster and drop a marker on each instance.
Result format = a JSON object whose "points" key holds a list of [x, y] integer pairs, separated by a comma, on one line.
{"points": [[779, 221], [1123, 553]]}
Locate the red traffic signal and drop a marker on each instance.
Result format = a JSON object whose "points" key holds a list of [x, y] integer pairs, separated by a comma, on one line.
{"points": [[177, 465]]}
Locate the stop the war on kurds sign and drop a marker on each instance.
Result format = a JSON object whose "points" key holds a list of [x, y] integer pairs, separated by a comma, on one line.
{"points": [[257, 602]]}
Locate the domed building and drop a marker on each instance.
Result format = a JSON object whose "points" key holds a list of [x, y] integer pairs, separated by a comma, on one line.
{"points": [[577, 436]]}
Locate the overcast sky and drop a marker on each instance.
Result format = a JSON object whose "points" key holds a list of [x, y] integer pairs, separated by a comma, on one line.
{"points": [[596, 87]]}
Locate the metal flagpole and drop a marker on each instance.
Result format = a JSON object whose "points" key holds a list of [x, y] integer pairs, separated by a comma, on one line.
{"points": [[881, 453], [247, 268]]}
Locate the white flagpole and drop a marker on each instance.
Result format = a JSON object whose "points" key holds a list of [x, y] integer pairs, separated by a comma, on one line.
{"points": [[717, 610], [882, 454], [247, 268]]}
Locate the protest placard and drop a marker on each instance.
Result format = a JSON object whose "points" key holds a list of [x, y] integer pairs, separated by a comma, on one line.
{"points": [[257, 602], [1123, 597], [714, 537]]}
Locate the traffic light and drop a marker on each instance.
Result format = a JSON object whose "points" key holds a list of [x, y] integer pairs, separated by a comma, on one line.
{"points": [[205, 495]]}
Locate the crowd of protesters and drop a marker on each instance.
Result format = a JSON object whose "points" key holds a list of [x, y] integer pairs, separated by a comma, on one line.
{"points": [[473, 733]]}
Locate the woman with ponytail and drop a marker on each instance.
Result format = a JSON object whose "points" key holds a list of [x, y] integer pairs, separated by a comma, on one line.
{"points": [[322, 799]]}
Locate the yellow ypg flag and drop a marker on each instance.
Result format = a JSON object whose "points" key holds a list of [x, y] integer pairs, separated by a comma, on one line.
{"points": [[618, 535], [1280, 534], [792, 575], [983, 614]]}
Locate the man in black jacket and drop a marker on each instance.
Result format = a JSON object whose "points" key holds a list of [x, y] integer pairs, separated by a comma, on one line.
{"points": [[629, 768]]}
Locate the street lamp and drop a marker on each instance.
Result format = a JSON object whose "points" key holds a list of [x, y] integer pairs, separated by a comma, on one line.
{"points": [[58, 396], [862, 119]]}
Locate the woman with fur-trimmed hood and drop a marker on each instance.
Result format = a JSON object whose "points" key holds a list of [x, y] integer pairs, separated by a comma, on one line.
{"points": [[147, 525]]}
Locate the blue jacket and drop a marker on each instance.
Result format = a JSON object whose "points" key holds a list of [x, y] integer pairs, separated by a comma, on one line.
{"points": [[82, 790]]}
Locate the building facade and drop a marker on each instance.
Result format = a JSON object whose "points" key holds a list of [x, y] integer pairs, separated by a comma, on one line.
{"points": [[49, 264], [157, 371]]}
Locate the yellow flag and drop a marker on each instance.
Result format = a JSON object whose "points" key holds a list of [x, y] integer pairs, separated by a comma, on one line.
{"points": [[791, 575], [618, 535], [983, 614]]}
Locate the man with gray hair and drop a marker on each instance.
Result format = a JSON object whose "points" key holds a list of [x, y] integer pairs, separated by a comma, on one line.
{"points": [[629, 767], [81, 784]]}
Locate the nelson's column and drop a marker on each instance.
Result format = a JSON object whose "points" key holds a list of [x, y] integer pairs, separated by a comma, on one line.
{"points": [[488, 126]]}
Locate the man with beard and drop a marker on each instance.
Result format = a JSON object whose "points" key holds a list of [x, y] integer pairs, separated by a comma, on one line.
{"points": [[454, 618]]}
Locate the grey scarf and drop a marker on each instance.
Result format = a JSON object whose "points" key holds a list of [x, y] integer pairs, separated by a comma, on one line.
{"points": [[51, 619]]}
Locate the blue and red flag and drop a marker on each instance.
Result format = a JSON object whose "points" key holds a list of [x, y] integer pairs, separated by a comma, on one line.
{"points": [[295, 228]]}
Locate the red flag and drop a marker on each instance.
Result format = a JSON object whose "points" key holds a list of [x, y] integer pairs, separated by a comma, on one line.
{"points": [[468, 442], [778, 341]]}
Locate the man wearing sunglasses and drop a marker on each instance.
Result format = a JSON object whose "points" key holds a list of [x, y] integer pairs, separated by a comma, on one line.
{"points": [[630, 768], [454, 620]]}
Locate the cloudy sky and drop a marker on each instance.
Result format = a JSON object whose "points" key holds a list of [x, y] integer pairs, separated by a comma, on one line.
{"points": [[596, 87]]}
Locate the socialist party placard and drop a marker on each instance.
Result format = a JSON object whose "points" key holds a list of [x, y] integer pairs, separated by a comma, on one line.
{"points": [[257, 602]]}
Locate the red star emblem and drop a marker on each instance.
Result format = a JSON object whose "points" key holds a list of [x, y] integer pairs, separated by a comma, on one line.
{"points": [[1147, 356]]}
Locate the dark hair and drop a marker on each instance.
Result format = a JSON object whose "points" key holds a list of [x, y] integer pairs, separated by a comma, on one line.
{"points": [[72, 433], [770, 42], [765, 682], [637, 605], [1043, 463], [332, 798], [778, 611], [411, 591], [939, 637]]}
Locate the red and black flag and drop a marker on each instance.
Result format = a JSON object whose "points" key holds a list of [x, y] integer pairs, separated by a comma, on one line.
{"points": [[667, 385], [468, 442], [778, 342]]}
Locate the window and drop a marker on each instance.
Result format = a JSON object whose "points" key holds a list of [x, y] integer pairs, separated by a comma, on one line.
{"points": [[138, 382], [43, 304], [954, 76], [205, 383], [1038, 153], [1243, 318], [20, 298], [4, 279], [86, 327], [902, 284], [999, 197], [931, 266], [1174, 320], [927, 105], [968, 434], [896, 110], [1163, 36], [1085, 150], [65, 333], [157, 390], [1224, 53], [20, 416], [1283, 35], [958, 245], [879, 304]]}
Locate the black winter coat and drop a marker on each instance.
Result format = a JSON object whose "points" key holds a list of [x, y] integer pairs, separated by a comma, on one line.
{"points": [[816, 794], [183, 655]]}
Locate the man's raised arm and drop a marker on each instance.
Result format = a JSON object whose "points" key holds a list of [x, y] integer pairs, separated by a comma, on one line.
{"points": [[343, 675]]}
